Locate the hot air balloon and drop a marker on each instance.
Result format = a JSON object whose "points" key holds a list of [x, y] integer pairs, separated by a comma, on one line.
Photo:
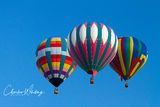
{"points": [[92, 46], [131, 56], [53, 60]]}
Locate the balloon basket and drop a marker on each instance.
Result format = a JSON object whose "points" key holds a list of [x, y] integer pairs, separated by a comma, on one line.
{"points": [[91, 81], [56, 91], [126, 85]]}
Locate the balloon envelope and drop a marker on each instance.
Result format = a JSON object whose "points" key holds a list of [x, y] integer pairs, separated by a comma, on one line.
{"points": [[131, 56], [92, 46], [53, 60]]}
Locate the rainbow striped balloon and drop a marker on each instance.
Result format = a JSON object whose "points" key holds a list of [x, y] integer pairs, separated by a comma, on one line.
{"points": [[53, 60], [131, 56], [92, 46]]}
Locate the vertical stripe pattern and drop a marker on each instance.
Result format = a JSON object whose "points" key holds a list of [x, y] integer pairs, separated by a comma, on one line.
{"points": [[54, 61], [92, 45], [131, 56]]}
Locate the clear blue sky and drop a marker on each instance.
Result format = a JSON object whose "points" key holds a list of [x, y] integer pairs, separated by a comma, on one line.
{"points": [[24, 24]]}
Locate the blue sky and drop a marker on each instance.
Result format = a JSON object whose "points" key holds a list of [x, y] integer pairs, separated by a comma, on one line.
{"points": [[25, 23]]}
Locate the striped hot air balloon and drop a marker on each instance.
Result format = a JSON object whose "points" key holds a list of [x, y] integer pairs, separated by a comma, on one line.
{"points": [[53, 60], [92, 46], [131, 56]]}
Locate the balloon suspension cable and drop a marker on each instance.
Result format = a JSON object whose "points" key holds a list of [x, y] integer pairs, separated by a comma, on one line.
{"points": [[94, 72], [126, 85], [56, 91], [92, 80], [121, 78]]}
